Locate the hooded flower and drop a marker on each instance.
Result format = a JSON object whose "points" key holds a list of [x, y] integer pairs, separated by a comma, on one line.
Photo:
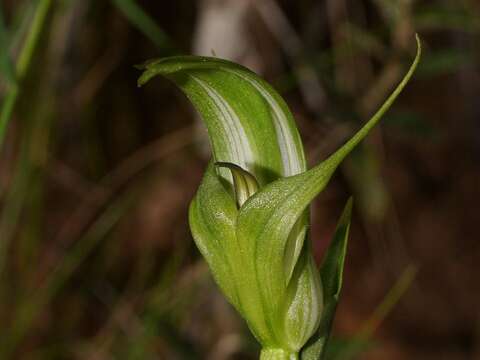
{"points": [[249, 217]]}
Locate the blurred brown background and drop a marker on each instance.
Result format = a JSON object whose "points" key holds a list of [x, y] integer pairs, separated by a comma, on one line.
{"points": [[96, 258]]}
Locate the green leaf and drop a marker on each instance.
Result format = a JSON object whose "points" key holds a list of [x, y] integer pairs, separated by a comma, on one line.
{"points": [[331, 273], [144, 22], [331, 270]]}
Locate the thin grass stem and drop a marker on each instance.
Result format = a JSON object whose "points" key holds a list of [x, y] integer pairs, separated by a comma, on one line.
{"points": [[23, 64]]}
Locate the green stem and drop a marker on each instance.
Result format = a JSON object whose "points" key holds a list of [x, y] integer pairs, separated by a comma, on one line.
{"points": [[278, 354], [23, 64]]}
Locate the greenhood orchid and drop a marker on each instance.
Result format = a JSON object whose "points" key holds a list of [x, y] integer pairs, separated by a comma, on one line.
{"points": [[250, 216]]}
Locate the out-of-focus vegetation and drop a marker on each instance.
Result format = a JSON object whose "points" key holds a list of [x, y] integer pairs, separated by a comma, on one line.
{"points": [[96, 260]]}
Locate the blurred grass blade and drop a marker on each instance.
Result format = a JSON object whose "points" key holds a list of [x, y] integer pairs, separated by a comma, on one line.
{"points": [[6, 66], [391, 299], [445, 62], [145, 23], [23, 63], [20, 23], [17, 195], [331, 273], [447, 18], [32, 306], [348, 349], [13, 203]]}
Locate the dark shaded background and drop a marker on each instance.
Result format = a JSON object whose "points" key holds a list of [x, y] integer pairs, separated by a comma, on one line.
{"points": [[96, 175]]}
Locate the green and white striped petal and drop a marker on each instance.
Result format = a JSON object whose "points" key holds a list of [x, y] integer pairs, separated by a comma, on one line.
{"points": [[248, 123]]}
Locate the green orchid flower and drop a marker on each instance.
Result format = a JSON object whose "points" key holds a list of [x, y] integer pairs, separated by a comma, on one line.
{"points": [[249, 217]]}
